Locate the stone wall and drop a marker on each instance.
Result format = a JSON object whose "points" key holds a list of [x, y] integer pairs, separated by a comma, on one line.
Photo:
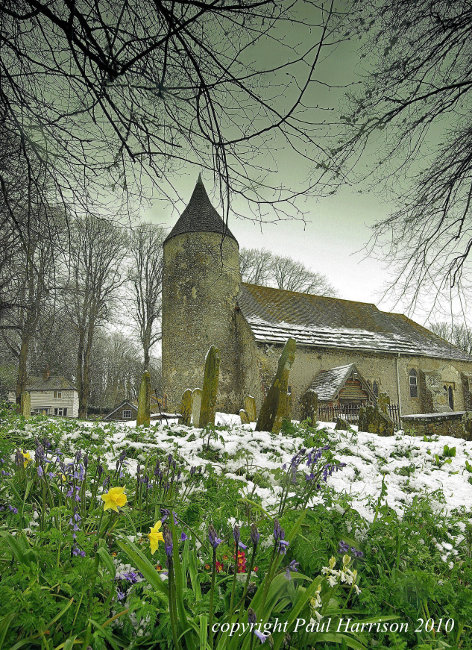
{"points": [[200, 285], [382, 368], [455, 424]]}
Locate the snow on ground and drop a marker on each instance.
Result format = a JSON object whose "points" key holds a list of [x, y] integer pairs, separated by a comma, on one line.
{"points": [[409, 466]]}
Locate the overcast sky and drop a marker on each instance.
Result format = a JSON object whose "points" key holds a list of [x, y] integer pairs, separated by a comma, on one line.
{"points": [[337, 227]]}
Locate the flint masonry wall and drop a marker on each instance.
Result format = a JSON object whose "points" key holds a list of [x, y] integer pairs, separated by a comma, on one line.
{"points": [[374, 367], [201, 281]]}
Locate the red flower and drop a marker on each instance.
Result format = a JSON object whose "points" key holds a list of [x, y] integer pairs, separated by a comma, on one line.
{"points": [[241, 562], [219, 566]]}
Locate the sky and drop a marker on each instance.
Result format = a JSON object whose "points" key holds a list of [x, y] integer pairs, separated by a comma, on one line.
{"points": [[337, 228]]}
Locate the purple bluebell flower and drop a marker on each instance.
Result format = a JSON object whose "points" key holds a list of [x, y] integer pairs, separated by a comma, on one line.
{"points": [[183, 537], [277, 530], [168, 542], [40, 471], [255, 535], [291, 567], [241, 545], [212, 536], [130, 576], [261, 636], [251, 616], [236, 534], [13, 509], [120, 595], [283, 546]]}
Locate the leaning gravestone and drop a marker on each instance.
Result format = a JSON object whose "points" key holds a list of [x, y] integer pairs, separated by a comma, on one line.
{"points": [[210, 387], [25, 404], [244, 415], [383, 402], [342, 425], [309, 406], [250, 408], [196, 405], [143, 417], [186, 407], [374, 421], [275, 406]]}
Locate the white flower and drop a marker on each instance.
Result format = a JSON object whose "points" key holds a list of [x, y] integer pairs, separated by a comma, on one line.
{"points": [[332, 581]]}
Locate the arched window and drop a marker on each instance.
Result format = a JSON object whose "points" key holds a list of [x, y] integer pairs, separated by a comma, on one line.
{"points": [[375, 389], [413, 380]]}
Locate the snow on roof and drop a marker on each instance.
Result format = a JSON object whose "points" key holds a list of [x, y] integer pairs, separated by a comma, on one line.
{"points": [[328, 382], [274, 315]]}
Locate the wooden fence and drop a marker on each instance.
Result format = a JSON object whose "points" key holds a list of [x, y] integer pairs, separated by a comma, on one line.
{"points": [[350, 413]]}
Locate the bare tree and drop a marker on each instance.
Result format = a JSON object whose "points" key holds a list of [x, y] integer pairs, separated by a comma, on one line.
{"points": [[411, 120], [97, 250], [263, 268], [145, 276], [105, 90], [456, 333], [32, 284]]}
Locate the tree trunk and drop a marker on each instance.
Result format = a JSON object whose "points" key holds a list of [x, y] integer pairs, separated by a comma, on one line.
{"points": [[22, 369]]}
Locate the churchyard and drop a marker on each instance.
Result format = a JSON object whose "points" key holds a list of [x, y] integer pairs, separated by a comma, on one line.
{"points": [[175, 536]]}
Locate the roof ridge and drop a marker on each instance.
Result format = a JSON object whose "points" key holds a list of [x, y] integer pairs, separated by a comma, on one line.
{"points": [[314, 295]]}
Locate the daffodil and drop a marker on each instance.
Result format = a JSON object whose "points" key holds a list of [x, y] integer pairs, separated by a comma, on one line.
{"points": [[27, 457], [155, 536], [114, 497]]}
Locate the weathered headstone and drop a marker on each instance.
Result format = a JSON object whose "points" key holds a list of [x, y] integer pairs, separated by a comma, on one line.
{"points": [[250, 408], [374, 421], [196, 405], [342, 425], [143, 417], [275, 406], [25, 404], [244, 415], [383, 402], [186, 407], [210, 387], [309, 406]]}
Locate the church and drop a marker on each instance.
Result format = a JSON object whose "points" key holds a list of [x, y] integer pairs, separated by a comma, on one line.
{"points": [[348, 352]]}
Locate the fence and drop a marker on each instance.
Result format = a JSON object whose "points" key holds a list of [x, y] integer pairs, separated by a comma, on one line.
{"points": [[350, 413]]}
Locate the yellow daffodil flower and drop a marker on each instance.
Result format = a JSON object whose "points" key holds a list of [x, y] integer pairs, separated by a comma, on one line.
{"points": [[115, 497], [155, 536], [27, 457]]}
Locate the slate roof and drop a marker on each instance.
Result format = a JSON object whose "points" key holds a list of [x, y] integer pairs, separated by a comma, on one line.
{"points": [[200, 216], [327, 383], [54, 382], [274, 315]]}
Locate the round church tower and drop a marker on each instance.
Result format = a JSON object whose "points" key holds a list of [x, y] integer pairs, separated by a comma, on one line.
{"points": [[200, 285]]}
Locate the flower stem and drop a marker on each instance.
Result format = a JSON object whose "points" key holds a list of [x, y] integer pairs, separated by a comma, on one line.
{"points": [[212, 595]]}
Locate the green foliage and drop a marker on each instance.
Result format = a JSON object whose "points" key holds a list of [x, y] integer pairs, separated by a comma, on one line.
{"points": [[417, 564]]}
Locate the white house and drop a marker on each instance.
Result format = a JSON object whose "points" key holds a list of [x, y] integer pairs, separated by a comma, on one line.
{"points": [[51, 395]]}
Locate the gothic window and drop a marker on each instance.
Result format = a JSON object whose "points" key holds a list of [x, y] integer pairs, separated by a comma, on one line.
{"points": [[413, 380], [375, 389]]}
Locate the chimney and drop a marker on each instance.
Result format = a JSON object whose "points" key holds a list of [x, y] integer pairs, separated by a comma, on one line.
{"points": [[46, 373]]}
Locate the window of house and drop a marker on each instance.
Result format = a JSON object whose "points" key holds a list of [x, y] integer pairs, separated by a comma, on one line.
{"points": [[60, 411], [449, 390], [413, 379], [375, 389], [58, 394], [127, 413]]}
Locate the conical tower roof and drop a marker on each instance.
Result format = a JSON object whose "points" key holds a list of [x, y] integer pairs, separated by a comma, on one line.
{"points": [[200, 216]]}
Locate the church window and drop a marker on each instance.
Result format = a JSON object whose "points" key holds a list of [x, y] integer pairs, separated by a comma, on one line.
{"points": [[375, 389], [413, 380]]}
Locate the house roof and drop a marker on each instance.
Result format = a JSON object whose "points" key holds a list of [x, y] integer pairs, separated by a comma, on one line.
{"points": [[320, 321], [328, 383], [123, 403], [53, 382], [200, 216]]}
